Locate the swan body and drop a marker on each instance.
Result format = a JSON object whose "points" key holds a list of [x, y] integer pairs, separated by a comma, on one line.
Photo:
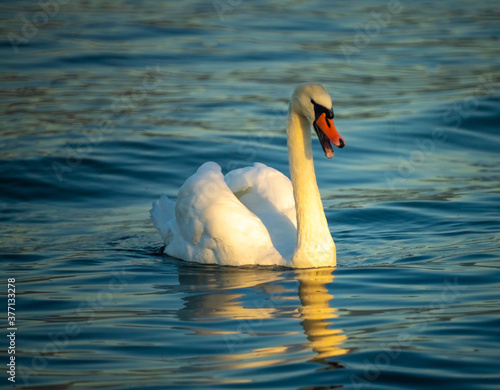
{"points": [[256, 215]]}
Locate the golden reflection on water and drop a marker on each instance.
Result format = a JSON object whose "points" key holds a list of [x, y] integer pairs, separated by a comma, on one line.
{"points": [[250, 316], [317, 313]]}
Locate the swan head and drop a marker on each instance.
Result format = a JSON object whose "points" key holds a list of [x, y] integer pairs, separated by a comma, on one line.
{"points": [[315, 104]]}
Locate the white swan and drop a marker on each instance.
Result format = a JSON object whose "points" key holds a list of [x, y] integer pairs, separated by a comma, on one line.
{"points": [[255, 215]]}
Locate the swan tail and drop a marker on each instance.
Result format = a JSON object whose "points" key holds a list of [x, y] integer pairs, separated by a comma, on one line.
{"points": [[162, 213]]}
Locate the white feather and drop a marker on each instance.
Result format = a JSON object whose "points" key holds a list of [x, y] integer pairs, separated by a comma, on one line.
{"points": [[250, 216]]}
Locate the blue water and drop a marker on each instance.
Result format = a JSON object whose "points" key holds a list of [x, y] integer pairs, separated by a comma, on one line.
{"points": [[106, 105]]}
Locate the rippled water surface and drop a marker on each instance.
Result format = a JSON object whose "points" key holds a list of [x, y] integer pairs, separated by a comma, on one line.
{"points": [[106, 105]]}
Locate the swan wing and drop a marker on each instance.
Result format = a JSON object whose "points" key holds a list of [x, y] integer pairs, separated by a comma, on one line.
{"points": [[210, 225], [268, 194]]}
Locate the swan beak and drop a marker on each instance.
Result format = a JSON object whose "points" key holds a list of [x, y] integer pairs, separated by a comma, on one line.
{"points": [[326, 131]]}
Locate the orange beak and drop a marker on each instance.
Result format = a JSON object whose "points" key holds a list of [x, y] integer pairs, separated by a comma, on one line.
{"points": [[326, 131], [326, 125]]}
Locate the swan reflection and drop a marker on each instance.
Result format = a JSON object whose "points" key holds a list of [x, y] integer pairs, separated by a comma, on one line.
{"points": [[253, 310], [317, 315], [223, 292]]}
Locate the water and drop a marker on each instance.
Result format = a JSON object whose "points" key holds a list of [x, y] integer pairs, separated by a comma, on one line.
{"points": [[106, 106]]}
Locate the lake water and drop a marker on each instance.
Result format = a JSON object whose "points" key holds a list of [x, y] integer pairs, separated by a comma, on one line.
{"points": [[106, 105]]}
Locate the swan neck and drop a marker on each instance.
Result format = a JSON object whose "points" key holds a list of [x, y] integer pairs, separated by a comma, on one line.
{"points": [[314, 243]]}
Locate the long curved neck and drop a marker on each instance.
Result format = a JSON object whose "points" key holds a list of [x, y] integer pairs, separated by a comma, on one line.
{"points": [[315, 245]]}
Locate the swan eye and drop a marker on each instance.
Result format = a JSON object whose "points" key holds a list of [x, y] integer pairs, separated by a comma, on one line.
{"points": [[319, 109]]}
